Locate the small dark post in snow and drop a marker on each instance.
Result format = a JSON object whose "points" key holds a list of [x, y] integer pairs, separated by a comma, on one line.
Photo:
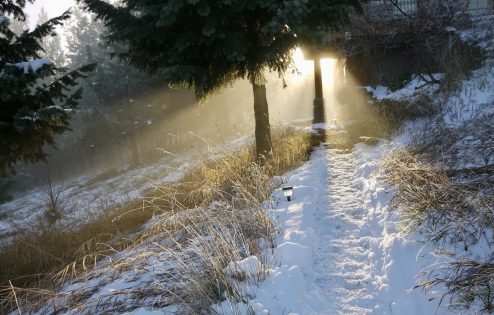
{"points": [[288, 192]]}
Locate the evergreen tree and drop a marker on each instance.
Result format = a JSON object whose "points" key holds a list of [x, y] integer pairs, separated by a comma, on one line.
{"points": [[208, 44], [19, 26], [43, 18], [83, 38], [110, 90], [110, 80], [36, 97], [52, 45]]}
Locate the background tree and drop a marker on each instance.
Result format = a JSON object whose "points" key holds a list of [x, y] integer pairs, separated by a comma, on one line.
{"points": [[85, 44], [83, 38], [208, 44], [36, 97], [18, 26], [110, 90], [52, 45]]}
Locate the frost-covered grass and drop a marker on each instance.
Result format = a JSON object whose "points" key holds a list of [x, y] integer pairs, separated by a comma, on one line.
{"points": [[192, 230], [85, 197], [394, 112], [451, 204], [38, 252], [432, 200], [445, 182]]}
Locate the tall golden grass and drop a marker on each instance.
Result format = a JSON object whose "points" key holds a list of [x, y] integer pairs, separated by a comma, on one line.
{"points": [[232, 187]]}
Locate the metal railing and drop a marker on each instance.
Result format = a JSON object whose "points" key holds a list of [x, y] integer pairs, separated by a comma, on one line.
{"points": [[404, 9], [391, 9], [480, 6]]}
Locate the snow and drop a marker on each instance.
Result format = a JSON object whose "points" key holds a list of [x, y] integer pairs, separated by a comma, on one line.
{"points": [[340, 251], [416, 84], [334, 124], [248, 267], [35, 116], [83, 197], [29, 118], [33, 65], [471, 101]]}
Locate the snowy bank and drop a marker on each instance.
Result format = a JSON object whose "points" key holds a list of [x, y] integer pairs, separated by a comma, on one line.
{"points": [[340, 251]]}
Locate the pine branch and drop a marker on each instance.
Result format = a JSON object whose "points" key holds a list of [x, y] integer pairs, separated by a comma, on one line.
{"points": [[14, 8], [28, 45]]}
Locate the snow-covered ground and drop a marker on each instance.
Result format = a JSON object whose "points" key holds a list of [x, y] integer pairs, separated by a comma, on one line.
{"points": [[84, 197], [340, 251]]}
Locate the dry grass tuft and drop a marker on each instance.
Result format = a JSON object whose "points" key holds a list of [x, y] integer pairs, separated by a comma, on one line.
{"points": [[469, 282], [430, 200], [39, 251], [395, 112], [233, 173]]}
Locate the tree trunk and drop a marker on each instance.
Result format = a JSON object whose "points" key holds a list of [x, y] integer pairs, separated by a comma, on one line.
{"points": [[319, 115], [261, 114]]}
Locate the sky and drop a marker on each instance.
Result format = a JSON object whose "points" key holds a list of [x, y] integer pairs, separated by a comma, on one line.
{"points": [[52, 7]]}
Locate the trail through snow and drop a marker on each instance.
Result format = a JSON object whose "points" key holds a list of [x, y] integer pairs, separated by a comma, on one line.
{"points": [[340, 251], [342, 261]]}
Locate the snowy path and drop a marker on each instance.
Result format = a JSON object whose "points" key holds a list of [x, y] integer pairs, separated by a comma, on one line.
{"points": [[343, 265], [340, 252]]}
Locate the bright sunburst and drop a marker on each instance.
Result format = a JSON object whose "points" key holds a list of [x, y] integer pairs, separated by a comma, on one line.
{"points": [[303, 67]]}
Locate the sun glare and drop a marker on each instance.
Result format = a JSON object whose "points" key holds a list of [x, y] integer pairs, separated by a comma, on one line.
{"points": [[303, 67], [328, 66], [302, 80]]}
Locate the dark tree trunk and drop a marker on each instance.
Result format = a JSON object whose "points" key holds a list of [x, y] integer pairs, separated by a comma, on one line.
{"points": [[263, 129], [319, 115]]}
